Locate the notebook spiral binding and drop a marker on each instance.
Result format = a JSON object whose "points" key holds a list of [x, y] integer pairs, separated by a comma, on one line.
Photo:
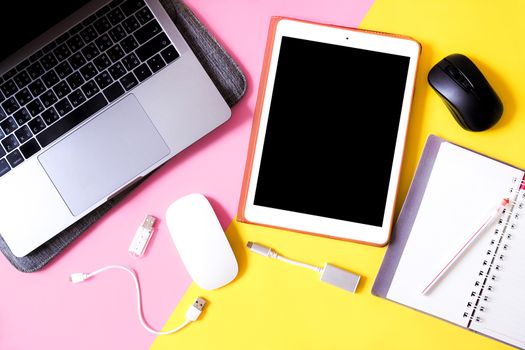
{"points": [[495, 255]]}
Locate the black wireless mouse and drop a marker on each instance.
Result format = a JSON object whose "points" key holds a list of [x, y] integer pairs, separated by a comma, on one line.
{"points": [[466, 92]]}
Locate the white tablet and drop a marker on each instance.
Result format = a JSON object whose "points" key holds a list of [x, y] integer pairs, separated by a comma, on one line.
{"points": [[329, 131]]}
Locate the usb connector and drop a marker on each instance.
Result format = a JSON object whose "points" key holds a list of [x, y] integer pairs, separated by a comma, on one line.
{"points": [[200, 303], [142, 237], [259, 249], [340, 278], [329, 274], [195, 310], [148, 222], [78, 277]]}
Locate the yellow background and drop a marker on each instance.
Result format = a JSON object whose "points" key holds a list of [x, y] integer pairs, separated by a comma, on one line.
{"points": [[272, 305]]}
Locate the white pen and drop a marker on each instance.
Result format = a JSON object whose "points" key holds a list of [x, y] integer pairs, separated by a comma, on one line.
{"points": [[492, 217]]}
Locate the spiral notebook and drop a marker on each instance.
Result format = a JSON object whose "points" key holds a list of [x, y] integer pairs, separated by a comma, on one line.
{"points": [[453, 190]]}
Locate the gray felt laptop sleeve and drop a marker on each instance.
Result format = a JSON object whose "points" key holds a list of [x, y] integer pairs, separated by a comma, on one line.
{"points": [[229, 80]]}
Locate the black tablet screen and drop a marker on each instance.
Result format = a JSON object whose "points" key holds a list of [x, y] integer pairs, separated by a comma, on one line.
{"points": [[332, 129]]}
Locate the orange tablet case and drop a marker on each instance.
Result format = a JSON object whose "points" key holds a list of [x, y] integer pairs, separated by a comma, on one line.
{"points": [[257, 119]]}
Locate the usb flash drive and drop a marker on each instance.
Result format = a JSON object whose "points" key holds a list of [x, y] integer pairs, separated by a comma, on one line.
{"points": [[142, 237]]}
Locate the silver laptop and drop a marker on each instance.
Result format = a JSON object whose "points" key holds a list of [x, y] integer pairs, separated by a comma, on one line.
{"points": [[93, 96]]}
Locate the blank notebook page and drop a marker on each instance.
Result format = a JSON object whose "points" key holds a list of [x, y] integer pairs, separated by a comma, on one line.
{"points": [[463, 189]]}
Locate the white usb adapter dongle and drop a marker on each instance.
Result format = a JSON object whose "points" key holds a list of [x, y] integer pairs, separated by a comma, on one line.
{"points": [[142, 237]]}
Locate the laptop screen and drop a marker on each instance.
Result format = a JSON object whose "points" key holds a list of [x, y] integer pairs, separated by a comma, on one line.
{"points": [[33, 17]]}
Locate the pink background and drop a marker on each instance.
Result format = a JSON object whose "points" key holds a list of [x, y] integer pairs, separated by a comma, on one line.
{"points": [[44, 310]]}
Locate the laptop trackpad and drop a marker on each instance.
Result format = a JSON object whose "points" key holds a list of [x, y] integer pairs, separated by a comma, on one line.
{"points": [[104, 154]]}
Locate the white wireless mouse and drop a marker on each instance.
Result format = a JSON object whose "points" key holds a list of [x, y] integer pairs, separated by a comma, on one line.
{"points": [[201, 242]]}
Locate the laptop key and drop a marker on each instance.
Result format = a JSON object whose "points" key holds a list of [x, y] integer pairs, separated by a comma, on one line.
{"points": [[76, 98], [90, 88], [50, 78], [36, 125], [10, 143], [22, 116], [22, 79], [71, 120], [9, 88], [117, 33], [76, 29], [63, 107], [77, 60], [48, 61], [10, 105], [90, 51], [49, 47], [101, 12], [156, 63], [115, 3], [75, 43], [102, 25], [88, 34], [113, 91], [62, 52], [129, 81], [147, 32], [15, 158], [34, 57], [131, 6], [102, 62], [48, 98], [144, 15], [35, 107], [115, 16], [152, 47], [130, 61], [115, 53], [35, 70], [63, 69], [22, 65], [62, 39], [23, 96], [37, 87], [131, 24], [103, 43], [88, 71], [129, 44], [90, 20], [23, 134], [4, 166], [61, 89], [29, 148], [75, 80], [50, 116], [142, 72], [103, 80], [2, 97], [8, 125], [117, 70], [10, 73]]}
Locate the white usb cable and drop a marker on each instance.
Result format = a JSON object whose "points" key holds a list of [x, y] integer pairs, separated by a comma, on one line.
{"points": [[192, 314], [329, 273]]}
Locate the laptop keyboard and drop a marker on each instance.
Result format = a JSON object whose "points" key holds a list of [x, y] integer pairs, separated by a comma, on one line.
{"points": [[76, 75]]}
